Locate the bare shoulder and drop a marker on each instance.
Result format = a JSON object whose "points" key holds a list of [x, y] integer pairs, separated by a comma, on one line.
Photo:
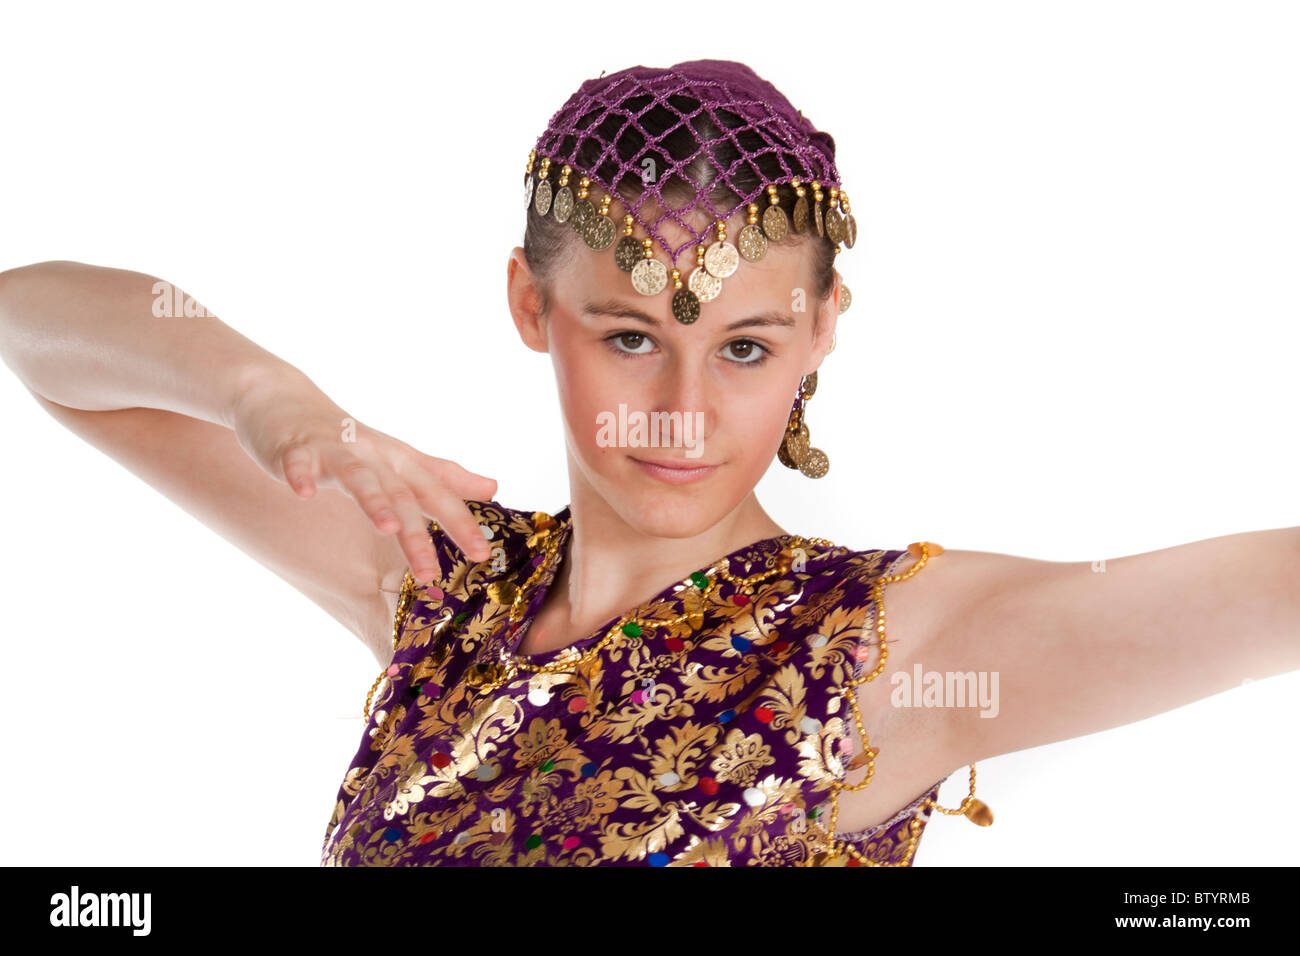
{"points": [[922, 604], [948, 586]]}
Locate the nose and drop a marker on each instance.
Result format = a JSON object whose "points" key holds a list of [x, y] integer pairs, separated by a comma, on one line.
{"points": [[685, 387]]}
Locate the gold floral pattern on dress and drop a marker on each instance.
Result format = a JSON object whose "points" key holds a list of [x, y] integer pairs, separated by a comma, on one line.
{"points": [[741, 757], [711, 741]]}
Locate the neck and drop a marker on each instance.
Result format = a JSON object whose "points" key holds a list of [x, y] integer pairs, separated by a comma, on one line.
{"points": [[611, 566]]}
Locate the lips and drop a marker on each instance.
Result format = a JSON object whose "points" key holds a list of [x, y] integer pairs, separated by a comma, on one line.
{"points": [[675, 471], [680, 463]]}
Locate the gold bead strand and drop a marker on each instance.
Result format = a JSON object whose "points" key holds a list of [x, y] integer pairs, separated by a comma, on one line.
{"points": [[703, 283], [542, 196], [799, 221], [562, 204], [511, 668], [817, 208], [834, 221], [583, 210], [775, 225], [721, 258], [686, 304], [405, 597], [528, 179], [628, 252], [600, 230], [751, 242], [850, 224], [850, 229], [975, 810], [649, 275]]}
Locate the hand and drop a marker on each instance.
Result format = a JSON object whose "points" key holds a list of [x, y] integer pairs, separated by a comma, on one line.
{"points": [[297, 435]]}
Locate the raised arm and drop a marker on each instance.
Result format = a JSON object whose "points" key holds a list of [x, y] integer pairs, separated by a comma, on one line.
{"points": [[220, 426], [1080, 647]]}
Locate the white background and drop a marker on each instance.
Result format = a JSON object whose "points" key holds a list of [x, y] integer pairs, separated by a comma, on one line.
{"points": [[1073, 337]]}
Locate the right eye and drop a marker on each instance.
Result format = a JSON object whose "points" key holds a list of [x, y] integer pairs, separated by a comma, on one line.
{"points": [[638, 337]]}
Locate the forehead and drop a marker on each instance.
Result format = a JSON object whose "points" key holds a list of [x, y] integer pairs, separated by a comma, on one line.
{"points": [[766, 284]]}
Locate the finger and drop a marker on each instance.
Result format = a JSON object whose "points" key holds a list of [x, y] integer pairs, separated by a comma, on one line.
{"points": [[465, 483], [450, 510], [413, 536], [358, 479], [299, 467]]}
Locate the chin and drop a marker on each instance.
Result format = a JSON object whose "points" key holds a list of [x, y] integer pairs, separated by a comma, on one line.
{"points": [[666, 510]]}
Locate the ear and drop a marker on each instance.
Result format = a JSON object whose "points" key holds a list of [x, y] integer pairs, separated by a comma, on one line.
{"points": [[523, 292], [828, 314]]}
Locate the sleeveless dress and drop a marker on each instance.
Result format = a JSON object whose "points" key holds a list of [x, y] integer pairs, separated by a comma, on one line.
{"points": [[710, 735]]}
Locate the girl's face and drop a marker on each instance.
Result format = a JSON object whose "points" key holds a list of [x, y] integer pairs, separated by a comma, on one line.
{"points": [[714, 394]]}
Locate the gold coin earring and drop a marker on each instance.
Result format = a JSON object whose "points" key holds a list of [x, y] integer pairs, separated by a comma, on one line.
{"points": [[542, 195], [794, 446], [816, 463]]}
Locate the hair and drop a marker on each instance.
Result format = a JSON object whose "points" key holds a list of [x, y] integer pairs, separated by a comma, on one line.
{"points": [[547, 242]]}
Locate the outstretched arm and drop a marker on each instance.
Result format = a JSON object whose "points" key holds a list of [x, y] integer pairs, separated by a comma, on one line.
{"points": [[1080, 647]]}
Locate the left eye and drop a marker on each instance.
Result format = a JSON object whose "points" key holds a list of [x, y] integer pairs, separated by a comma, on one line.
{"points": [[622, 336], [750, 352]]}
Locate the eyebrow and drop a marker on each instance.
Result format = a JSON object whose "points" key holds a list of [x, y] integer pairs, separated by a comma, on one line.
{"points": [[617, 309]]}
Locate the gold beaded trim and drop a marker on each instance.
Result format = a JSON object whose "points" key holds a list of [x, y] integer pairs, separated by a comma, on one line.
{"points": [[497, 675], [546, 533], [405, 599], [975, 810], [719, 260]]}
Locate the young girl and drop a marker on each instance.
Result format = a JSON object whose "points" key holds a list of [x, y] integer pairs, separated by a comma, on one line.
{"points": [[657, 674]]}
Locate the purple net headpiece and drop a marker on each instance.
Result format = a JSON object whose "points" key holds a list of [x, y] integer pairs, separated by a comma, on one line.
{"points": [[647, 137]]}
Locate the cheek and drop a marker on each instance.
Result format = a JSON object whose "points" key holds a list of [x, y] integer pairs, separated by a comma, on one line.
{"points": [[765, 418], [768, 429], [588, 387]]}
